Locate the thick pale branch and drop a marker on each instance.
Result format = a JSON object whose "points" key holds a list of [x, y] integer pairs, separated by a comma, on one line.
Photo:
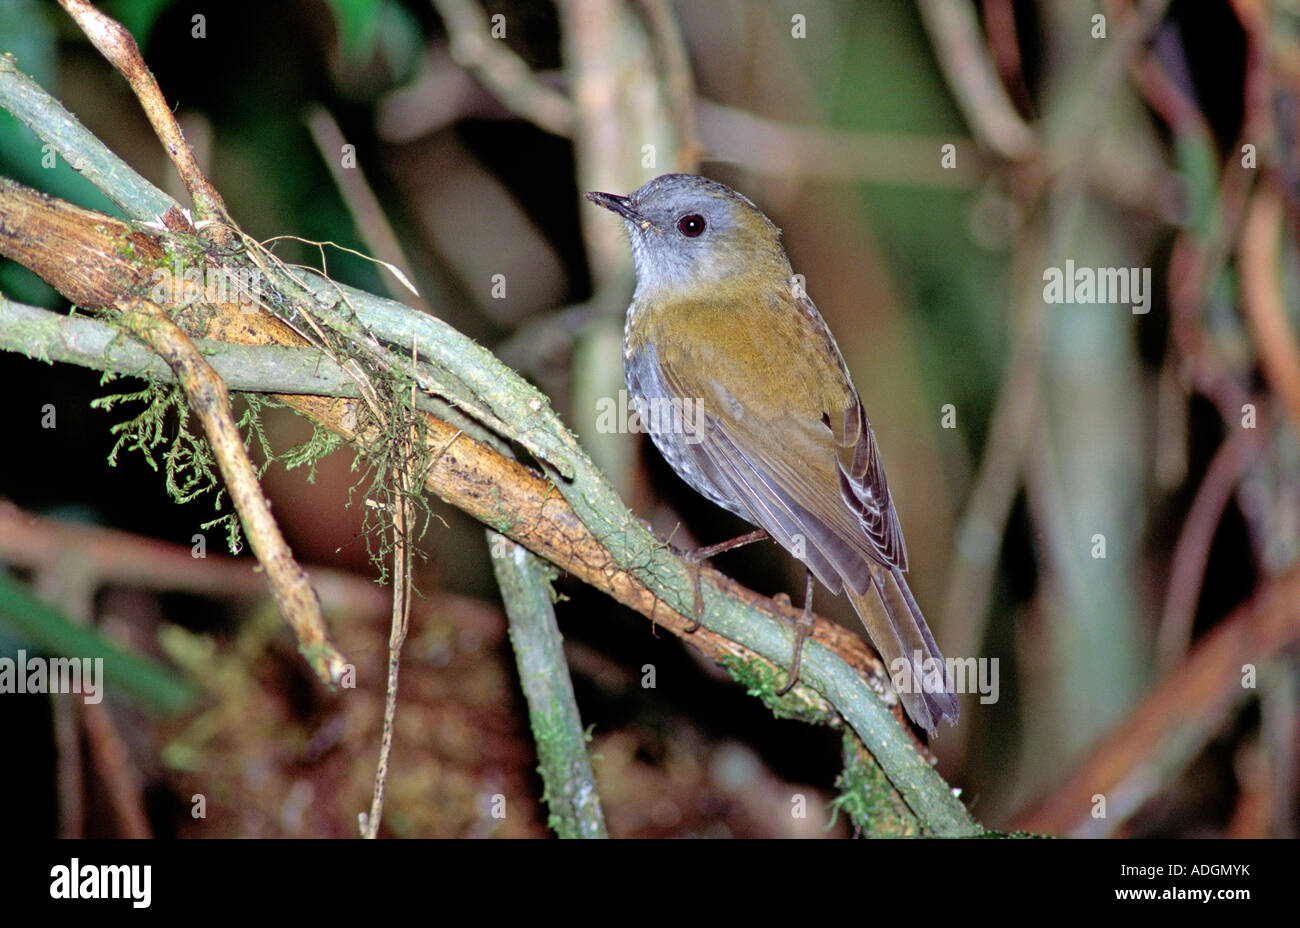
{"points": [[86, 342], [84, 153], [571, 794]]}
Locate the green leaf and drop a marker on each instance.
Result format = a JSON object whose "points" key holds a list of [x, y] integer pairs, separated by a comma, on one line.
{"points": [[137, 678]]}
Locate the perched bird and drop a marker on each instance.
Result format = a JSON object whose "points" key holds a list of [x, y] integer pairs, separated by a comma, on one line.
{"points": [[775, 431]]}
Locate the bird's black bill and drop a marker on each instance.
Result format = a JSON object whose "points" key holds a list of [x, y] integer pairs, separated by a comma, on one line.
{"points": [[616, 204]]}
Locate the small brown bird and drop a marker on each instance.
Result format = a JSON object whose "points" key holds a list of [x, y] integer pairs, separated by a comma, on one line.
{"points": [[775, 431]]}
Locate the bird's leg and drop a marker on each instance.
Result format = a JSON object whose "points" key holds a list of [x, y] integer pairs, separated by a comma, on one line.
{"points": [[699, 555], [802, 630]]}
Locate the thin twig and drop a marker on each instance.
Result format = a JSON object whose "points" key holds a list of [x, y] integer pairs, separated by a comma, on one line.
{"points": [[1261, 292], [121, 779], [1192, 550], [372, 223], [500, 70], [971, 76], [401, 618], [207, 394], [406, 484], [117, 44]]}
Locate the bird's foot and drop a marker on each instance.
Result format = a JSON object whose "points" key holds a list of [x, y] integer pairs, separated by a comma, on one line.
{"points": [[802, 629], [700, 555]]}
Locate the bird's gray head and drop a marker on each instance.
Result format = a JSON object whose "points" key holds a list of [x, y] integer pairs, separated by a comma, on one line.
{"points": [[690, 232]]}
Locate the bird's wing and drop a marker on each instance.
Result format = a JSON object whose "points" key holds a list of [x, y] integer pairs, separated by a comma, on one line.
{"points": [[862, 484], [813, 483]]}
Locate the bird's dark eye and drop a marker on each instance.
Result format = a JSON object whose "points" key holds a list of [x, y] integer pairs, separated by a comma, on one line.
{"points": [[691, 225]]}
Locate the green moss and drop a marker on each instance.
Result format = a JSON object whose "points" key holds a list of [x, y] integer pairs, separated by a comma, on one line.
{"points": [[872, 805], [763, 679]]}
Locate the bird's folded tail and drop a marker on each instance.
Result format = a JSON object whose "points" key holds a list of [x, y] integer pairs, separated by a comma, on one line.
{"points": [[898, 631]]}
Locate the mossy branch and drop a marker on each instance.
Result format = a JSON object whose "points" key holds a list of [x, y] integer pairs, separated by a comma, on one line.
{"points": [[525, 582]]}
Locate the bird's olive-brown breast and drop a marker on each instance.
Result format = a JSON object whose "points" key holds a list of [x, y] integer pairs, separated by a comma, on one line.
{"points": [[768, 359]]}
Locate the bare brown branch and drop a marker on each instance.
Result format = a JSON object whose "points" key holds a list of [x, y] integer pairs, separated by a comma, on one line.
{"points": [[117, 44]]}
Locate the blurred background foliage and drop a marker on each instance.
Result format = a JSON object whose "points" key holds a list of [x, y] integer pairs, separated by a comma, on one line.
{"points": [[1016, 433]]}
